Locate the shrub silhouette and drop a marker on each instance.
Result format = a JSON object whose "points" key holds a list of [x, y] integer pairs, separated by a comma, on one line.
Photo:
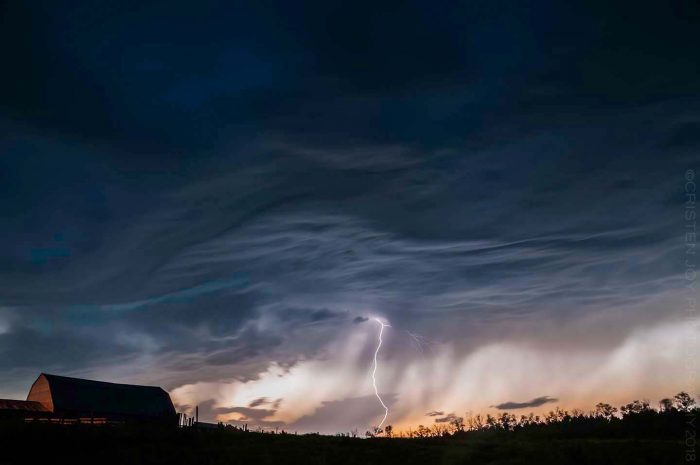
{"points": [[636, 419]]}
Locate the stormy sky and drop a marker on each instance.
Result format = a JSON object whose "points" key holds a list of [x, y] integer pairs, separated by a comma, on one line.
{"points": [[219, 197]]}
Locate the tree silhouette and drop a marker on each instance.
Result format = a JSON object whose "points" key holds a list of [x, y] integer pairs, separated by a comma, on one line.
{"points": [[666, 404], [605, 411], [636, 406], [684, 401], [457, 425]]}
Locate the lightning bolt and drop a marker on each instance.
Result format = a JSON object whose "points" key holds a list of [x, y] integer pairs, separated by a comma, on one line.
{"points": [[382, 325]]}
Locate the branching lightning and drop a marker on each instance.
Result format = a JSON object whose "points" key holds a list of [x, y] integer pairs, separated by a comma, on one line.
{"points": [[421, 342], [382, 325]]}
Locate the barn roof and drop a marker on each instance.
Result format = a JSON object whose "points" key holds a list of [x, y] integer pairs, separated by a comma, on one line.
{"points": [[99, 397], [24, 405]]}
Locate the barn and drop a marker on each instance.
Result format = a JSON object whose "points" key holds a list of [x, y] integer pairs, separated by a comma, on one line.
{"points": [[73, 400], [18, 410]]}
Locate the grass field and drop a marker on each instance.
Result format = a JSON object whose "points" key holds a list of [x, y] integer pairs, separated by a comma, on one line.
{"points": [[78, 445]]}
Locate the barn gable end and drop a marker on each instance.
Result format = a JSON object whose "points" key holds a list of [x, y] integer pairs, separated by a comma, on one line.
{"points": [[40, 392]]}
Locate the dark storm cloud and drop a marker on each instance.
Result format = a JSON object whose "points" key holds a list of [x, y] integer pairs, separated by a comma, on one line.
{"points": [[265, 401], [341, 415], [685, 135], [258, 402], [214, 187], [536, 402], [359, 319], [332, 416], [442, 417], [247, 414], [446, 419]]}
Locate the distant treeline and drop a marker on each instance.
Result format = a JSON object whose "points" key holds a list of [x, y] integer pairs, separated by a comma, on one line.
{"points": [[638, 419]]}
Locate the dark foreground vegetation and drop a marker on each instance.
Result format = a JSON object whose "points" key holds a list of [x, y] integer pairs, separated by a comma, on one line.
{"points": [[635, 434]]}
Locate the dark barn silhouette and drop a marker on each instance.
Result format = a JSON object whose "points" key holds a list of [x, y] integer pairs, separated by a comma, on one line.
{"points": [[60, 399]]}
